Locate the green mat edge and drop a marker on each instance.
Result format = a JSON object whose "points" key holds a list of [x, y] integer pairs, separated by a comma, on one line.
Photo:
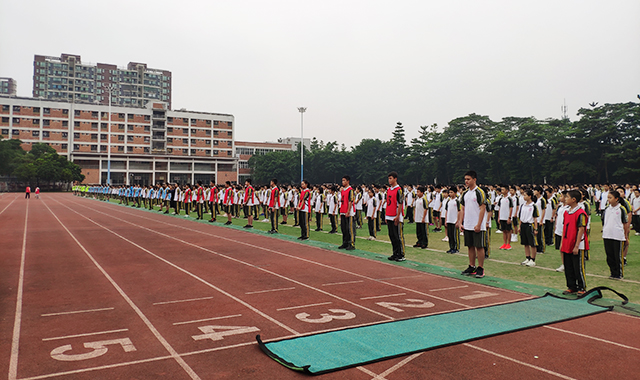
{"points": [[305, 369]]}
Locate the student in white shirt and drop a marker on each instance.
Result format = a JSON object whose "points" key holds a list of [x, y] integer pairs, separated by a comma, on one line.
{"points": [[559, 225], [452, 212], [421, 209], [613, 234], [371, 214], [528, 216]]}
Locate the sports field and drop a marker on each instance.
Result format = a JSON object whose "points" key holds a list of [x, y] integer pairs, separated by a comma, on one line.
{"points": [[95, 290]]}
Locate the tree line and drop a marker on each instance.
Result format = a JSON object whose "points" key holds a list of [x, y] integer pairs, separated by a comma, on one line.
{"points": [[603, 145], [41, 165]]}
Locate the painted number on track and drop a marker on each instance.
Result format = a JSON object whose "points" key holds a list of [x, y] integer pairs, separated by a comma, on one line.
{"points": [[395, 306], [478, 294], [211, 333], [99, 349], [326, 317]]}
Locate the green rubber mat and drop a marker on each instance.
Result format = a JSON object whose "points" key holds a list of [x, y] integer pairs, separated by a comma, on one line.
{"points": [[335, 350]]}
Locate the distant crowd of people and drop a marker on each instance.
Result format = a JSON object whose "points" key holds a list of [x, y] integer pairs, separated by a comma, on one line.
{"points": [[540, 215]]}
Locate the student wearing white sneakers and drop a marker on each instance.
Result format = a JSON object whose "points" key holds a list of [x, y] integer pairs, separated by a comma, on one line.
{"points": [[529, 227], [614, 234], [562, 208], [505, 211]]}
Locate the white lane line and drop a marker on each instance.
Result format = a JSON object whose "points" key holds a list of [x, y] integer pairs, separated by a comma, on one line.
{"points": [[593, 337], [229, 258], [124, 364], [303, 306], [8, 205], [399, 278], [396, 367], [76, 312], [207, 319], [87, 334], [144, 318], [370, 373], [343, 283], [15, 340], [269, 290], [388, 295], [451, 288], [178, 301], [520, 362], [255, 310]]}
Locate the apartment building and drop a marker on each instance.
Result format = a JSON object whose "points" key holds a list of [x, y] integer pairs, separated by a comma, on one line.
{"points": [[8, 86], [67, 78], [144, 145]]}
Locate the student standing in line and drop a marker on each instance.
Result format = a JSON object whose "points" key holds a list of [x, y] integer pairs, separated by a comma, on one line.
{"points": [[453, 215], [359, 206], [274, 205], [319, 207], [437, 204], [332, 204], [371, 214], [347, 212], [614, 234], [304, 210], [549, 215], [625, 203], [562, 208], [505, 212], [394, 217], [635, 206], [250, 201], [421, 210], [200, 201], [473, 202], [213, 201], [514, 215], [573, 232], [528, 215], [410, 204], [541, 204], [488, 217]]}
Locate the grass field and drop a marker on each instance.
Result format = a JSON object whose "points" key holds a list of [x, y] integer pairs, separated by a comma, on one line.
{"points": [[502, 264]]}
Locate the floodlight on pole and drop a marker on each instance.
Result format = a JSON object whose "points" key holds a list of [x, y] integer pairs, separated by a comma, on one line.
{"points": [[302, 110]]}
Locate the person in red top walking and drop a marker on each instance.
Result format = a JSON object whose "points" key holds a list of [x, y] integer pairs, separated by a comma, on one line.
{"points": [[575, 222], [347, 211], [394, 217], [27, 194], [304, 209], [37, 193]]}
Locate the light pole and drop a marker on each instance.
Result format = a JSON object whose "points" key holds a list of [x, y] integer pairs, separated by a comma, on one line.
{"points": [[110, 88], [302, 110]]}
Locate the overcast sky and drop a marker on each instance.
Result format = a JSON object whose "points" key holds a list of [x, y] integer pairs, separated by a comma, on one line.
{"points": [[358, 66]]}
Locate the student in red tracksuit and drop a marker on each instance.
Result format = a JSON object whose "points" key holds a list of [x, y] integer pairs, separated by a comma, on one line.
{"points": [[347, 212], [228, 201], [250, 201], [274, 205], [304, 208], [394, 217], [575, 222], [213, 201]]}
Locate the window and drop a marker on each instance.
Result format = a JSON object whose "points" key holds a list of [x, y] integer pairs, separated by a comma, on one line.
{"points": [[146, 150], [185, 131], [185, 151], [65, 135], [36, 109], [208, 142], [215, 122], [35, 121], [193, 141], [103, 148], [147, 128], [76, 113], [121, 127], [215, 142], [215, 152], [16, 120], [229, 133], [185, 141], [15, 132], [45, 133], [76, 146], [147, 139], [94, 148], [215, 133], [129, 149], [76, 123], [94, 113], [208, 152], [228, 143], [169, 150], [5, 108], [16, 108], [243, 164], [169, 139], [35, 133], [147, 117], [185, 120], [76, 135], [5, 131], [94, 125], [120, 137], [194, 131], [120, 148], [64, 112], [94, 136], [208, 122], [228, 153], [64, 146], [103, 136], [46, 122], [5, 119], [129, 138], [193, 151], [207, 132], [170, 119], [47, 111], [121, 116], [65, 123], [229, 123], [129, 127], [170, 129]]}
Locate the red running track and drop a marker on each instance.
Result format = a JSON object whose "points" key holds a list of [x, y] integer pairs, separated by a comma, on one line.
{"points": [[108, 292]]}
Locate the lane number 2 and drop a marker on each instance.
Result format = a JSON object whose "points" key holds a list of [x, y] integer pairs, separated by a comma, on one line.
{"points": [[326, 317], [399, 307], [99, 349]]}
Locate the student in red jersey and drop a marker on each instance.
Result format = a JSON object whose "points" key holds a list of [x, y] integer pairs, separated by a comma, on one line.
{"points": [[394, 217], [575, 223], [187, 200], [37, 192], [304, 210], [27, 194], [228, 201], [473, 202], [347, 212], [250, 201], [274, 205], [213, 201], [200, 200]]}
